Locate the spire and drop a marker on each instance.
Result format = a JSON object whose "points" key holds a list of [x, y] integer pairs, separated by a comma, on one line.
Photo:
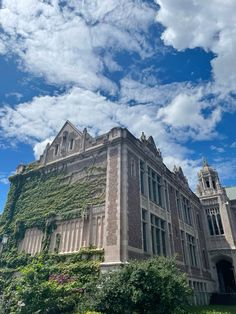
{"points": [[205, 162], [143, 136]]}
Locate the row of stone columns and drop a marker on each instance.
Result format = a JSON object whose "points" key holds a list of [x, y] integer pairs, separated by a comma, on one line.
{"points": [[32, 242]]}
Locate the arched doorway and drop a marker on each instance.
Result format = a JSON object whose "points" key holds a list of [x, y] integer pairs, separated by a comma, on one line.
{"points": [[226, 278]]}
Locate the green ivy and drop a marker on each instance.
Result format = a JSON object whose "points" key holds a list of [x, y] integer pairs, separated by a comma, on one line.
{"points": [[36, 198]]}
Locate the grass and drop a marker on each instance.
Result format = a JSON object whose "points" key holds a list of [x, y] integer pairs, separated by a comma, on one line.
{"points": [[214, 309]]}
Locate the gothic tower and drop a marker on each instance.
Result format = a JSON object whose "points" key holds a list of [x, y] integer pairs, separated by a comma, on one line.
{"points": [[219, 223]]}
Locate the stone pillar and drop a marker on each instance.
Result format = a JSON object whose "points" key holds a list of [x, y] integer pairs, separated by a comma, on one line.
{"points": [[134, 211], [112, 231]]}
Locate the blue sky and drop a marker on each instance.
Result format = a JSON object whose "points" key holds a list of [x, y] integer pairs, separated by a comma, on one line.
{"points": [[164, 67]]}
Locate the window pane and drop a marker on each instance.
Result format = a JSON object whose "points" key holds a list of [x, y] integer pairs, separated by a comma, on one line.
{"points": [[210, 225], [154, 191], [145, 230], [144, 237], [153, 240], [142, 176], [220, 224], [163, 243], [215, 225], [158, 242], [149, 188]]}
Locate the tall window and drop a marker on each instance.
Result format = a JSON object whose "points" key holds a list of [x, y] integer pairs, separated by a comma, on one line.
{"points": [[154, 186], [142, 176], [64, 138], [145, 229], [204, 259], [158, 234], [56, 149], [133, 168], [71, 144], [213, 184], [170, 239], [167, 201], [183, 247], [189, 213], [214, 221], [178, 204], [186, 210], [191, 244], [207, 183], [199, 222]]}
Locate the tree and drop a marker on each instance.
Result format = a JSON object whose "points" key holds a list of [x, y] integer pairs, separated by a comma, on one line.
{"points": [[153, 286]]}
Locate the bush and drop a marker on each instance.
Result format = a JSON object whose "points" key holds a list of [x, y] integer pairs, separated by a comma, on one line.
{"points": [[154, 286], [44, 286]]}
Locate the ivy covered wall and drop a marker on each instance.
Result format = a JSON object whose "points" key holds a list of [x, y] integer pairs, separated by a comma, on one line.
{"points": [[37, 196]]}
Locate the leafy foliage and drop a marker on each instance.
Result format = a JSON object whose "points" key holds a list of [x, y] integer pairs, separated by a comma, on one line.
{"points": [[49, 284], [35, 196], [152, 286], [213, 309], [52, 283]]}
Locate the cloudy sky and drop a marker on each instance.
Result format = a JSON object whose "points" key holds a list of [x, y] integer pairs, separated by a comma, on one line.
{"points": [[164, 67]]}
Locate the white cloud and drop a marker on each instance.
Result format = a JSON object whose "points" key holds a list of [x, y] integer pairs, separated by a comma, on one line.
{"points": [[226, 168], [217, 149], [190, 168], [42, 118], [65, 44], [73, 46], [3, 179], [2, 48], [185, 115], [15, 95], [40, 147], [144, 93], [206, 24]]}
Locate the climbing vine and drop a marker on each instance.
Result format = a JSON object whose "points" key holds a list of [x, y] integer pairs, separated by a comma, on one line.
{"points": [[37, 198]]}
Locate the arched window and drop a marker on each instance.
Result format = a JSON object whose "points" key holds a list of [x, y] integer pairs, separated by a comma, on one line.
{"points": [[210, 225], [214, 221]]}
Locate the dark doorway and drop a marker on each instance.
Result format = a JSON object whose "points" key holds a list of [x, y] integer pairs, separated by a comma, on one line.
{"points": [[226, 278]]}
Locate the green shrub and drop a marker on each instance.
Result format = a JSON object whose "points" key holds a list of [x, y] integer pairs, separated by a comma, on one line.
{"points": [[48, 285], [151, 286]]}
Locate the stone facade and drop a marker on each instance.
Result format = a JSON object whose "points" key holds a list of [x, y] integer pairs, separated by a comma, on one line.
{"points": [[148, 210], [219, 221]]}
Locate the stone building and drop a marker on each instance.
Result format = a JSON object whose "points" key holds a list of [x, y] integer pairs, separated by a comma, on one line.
{"points": [[219, 218], [132, 206]]}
